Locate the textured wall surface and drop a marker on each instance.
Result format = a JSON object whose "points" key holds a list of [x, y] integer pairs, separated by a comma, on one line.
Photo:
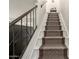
{"points": [[64, 9], [18, 7]]}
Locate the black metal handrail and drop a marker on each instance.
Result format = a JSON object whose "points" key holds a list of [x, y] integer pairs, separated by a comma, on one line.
{"points": [[20, 17], [43, 4], [21, 31]]}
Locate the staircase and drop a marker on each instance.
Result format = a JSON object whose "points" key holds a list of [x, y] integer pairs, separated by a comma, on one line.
{"points": [[53, 42]]}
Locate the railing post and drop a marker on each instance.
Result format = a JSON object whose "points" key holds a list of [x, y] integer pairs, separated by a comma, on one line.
{"points": [[33, 21], [30, 24], [26, 25], [26, 21], [21, 29], [13, 30], [35, 18]]}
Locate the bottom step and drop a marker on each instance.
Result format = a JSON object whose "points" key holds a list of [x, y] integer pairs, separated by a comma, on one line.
{"points": [[55, 57], [53, 51]]}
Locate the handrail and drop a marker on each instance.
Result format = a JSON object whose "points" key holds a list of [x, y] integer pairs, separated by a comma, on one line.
{"points": [[43, 4], [20, 35], [20, 17]]}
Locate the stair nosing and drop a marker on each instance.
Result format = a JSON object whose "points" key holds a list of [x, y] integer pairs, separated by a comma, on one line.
{"points": [[44, 48], [53, 21], [50, 17], [54, 37], [53, 25], [52, 48], [53, 18], [53, 13], [53, 30]]}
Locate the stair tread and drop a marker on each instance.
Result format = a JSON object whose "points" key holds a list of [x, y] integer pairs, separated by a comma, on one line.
{"points": [[53, 13], [53, 46], [53, 30], [55, 57], [52, 18], [53, 25], [53, 21], [54, 37]]}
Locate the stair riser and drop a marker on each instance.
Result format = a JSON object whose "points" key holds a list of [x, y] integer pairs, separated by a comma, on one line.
{"points": [[53, 11], [53, 17], [53, 28], [53, 33], [53, 41], [56, 57], [53, 52], [57, 20], [53, 14], [53, 23]]}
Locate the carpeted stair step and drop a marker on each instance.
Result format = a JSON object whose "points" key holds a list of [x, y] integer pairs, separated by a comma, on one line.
{"points": [[53, 40], [52, 19], [51, 51], [55, 57], [53, 14], [52, 23], [53, 33], [58, 27], [52, 10]]}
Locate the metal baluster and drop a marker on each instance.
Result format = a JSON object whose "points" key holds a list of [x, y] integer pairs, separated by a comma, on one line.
{"points": [[26, 28], [13, 29], [33, 21], [35, 17], [21, 29], [30, 24], [26, 23]]}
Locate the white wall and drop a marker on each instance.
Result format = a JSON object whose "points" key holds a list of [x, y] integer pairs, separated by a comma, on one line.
{"points": [[52, 4], [64, 17], [40, 11], [64, 9], [18, 7], [49, 5]]}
